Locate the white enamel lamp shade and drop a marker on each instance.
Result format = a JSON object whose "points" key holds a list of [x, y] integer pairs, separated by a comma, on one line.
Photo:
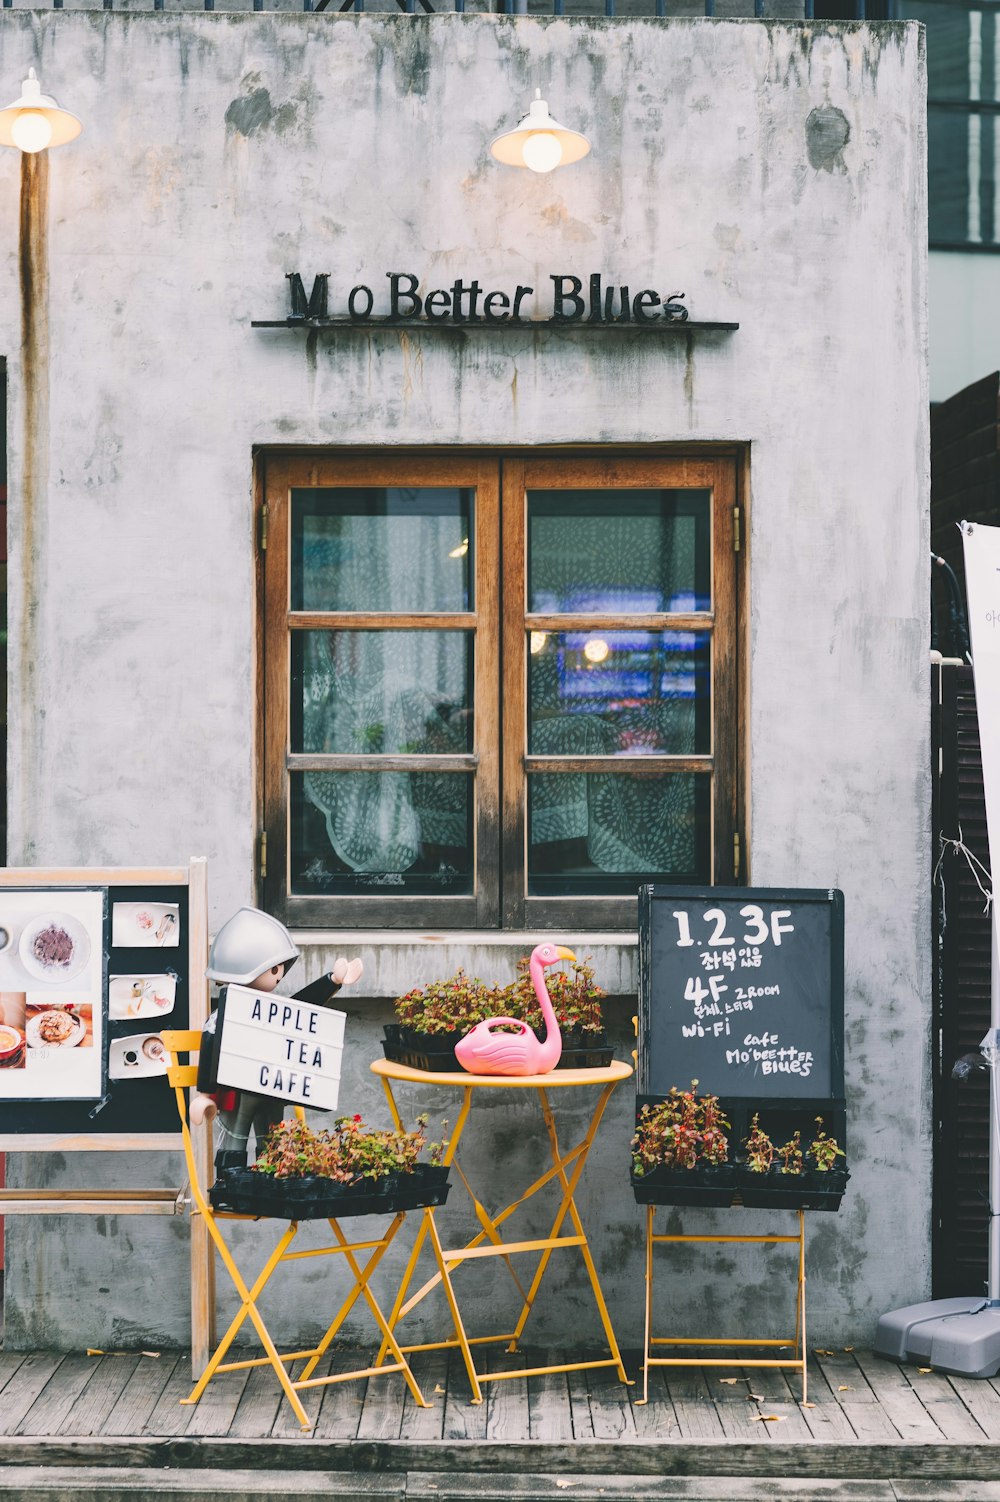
{"points": [[538, 142], [35, 121]]}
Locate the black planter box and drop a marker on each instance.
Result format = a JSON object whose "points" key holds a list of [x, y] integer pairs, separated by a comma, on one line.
{"points": [[434, 1053], [775, 1190], [314, 1198], [707, 1185]]}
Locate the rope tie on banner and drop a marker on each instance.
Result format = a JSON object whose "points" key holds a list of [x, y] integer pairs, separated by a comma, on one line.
{"points": [[979, 871]]}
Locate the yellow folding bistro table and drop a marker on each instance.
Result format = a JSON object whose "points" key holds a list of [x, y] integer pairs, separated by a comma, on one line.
{"points": [[567, 1166]]}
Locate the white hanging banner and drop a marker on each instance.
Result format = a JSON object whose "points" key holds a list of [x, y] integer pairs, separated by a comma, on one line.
{"points": [[982, 582]]}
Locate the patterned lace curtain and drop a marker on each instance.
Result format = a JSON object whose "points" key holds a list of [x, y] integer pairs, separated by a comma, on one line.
{"points": [[385, 691]]}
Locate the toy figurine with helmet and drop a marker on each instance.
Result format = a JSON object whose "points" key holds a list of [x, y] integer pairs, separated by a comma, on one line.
{"points": [[251, 949]]}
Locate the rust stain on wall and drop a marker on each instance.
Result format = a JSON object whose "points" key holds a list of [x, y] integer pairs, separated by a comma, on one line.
{"points": [[33, 270]]}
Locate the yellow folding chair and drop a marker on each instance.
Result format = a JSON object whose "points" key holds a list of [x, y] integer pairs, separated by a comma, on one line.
{"points": [[181, 1077]]}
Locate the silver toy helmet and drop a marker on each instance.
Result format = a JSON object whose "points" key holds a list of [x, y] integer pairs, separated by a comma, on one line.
{"points": [[247, 944]]}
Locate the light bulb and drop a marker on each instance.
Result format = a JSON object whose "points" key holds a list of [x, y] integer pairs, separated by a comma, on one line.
{"points": [[31, 131], [596, 649], [542, 151], [538, 640]]}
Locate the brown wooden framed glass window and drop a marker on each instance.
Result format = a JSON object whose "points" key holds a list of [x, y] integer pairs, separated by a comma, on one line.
{"points": [[497, 689]]}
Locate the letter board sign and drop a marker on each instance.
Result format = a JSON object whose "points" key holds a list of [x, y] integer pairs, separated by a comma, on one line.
{"points": [[277, 1046], [742, 990]]}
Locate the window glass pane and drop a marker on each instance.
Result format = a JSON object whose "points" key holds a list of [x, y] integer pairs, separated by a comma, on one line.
{"points": [[400, 833], [949, 32], [635, 551], [948, 163], [382, 549], [619, 693], [383, 692], [603, 834]]}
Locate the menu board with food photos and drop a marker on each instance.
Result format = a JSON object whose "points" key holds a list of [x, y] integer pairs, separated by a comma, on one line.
{"points": [[89, 976]]}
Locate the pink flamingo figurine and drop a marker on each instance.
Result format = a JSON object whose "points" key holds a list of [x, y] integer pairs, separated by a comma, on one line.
{"points": [[483, 1051]]}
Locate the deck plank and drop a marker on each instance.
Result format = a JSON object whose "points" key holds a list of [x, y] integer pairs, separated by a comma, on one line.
{"points": [[430, 1371], [463, 1419], [696, 1413], [258, 1406], [549, 1414], [847, 1385], [983, 1402], [827, 1422], [36, 1382], [10, 1361], [382, 1413], [935, 1392], [140, 1396], [655, 1419], [898, 1399], [98, 1398], [507, 1416], [57, 1396], [579, 1402], [169, 1415], [340, 1404], [216, 1408], [728, 1388], [780, 1393], [610, 1404]]}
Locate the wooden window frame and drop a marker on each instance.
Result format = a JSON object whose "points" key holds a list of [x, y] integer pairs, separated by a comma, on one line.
{"points": [[500, 624], [381, 910], [654, 472]]}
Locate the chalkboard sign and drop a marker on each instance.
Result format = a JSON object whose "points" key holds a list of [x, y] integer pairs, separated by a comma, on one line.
{"points": [[742, 989]]}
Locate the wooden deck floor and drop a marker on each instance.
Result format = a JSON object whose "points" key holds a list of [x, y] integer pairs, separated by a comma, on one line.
{"points": [[854, 1399]]}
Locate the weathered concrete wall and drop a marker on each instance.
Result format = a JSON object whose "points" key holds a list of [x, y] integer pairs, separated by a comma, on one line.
{"points": [[776, 173]]}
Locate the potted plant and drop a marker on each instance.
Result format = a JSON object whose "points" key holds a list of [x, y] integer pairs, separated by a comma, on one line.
{"points": [[431, 1019], [680, 1151], [577, 1002], [788, 1177], [348, 1170]]}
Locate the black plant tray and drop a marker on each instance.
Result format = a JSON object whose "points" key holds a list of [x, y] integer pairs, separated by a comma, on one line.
{"points": [[734, 1184], [434, 1053], [712, 1188], [775, 1190], [313, 1198]]}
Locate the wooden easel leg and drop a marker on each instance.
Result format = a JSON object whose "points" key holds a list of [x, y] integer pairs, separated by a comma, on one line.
{"points": [[800, 1329], [203, 1332], [648, 1325]]}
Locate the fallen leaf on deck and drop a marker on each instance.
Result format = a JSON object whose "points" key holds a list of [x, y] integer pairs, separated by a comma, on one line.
{"points": [[807, 1405], [562, 1484], [843, 1387], [439, 1388], [767, 1418], [848, 1349], [92, 1352], [729, 1381], [925, 1368], [154, 1354], [818, 1352], [755, 1397]]}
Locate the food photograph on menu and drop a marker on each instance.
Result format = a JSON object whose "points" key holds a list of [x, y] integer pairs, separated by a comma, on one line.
{"points": [[141, 995], [51, 995], [145, 925]]}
